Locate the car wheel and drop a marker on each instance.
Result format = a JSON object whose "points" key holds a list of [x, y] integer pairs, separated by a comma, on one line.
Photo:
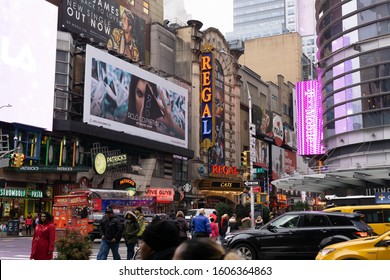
{"points": [[245, 252]]}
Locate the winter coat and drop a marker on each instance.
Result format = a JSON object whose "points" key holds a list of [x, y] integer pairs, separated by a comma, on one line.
{"points": [[181, 223], [246, 222], [111, 227], [233, 224], [43, 242], [223, 227], [214, 229], [131, 228], [142, 224]]}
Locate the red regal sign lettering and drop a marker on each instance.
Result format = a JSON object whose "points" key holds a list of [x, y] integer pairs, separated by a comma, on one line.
{"points": [[228, 170]]}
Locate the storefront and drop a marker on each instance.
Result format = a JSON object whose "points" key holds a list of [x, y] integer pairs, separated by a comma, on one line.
{"points": [[17, 201], [218, 190]]}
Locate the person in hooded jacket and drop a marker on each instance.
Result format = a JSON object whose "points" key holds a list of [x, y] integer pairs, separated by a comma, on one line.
{"points": [[131, 229], [111, 230], [42, 246]]}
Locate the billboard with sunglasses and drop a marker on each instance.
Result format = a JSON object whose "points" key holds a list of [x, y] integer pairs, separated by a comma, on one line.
{"points": [[123, 97]]}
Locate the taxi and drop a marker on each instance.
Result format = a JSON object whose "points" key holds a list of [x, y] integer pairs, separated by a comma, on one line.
{"points": [[369, 248]]}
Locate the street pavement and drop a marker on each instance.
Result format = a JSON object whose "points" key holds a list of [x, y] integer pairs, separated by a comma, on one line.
{"points": [[18, 248]]}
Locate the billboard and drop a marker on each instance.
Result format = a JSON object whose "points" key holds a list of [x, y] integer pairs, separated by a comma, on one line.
{"points": [[309, 118], [27, 62], [123, 97], [107, 22]]}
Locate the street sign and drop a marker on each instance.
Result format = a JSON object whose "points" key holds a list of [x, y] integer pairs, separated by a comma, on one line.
{"points": [[258, 170], [251, 183], [257, 189]]}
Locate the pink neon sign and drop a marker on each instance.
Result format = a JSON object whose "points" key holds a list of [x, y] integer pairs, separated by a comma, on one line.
{"points": [[309, 118]]}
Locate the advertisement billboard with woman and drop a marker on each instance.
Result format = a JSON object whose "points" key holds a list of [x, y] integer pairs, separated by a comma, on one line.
{"points": [[124, 97]]}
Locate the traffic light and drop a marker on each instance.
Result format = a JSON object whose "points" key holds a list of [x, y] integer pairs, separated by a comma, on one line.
{"points": [[19, 160], [245, 158]]}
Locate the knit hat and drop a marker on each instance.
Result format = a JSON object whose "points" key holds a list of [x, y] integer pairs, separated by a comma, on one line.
{"points": [[161, 235], [109, 210]]}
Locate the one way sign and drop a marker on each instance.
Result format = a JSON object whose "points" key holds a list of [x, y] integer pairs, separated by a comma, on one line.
{"points": [[251, 183]]}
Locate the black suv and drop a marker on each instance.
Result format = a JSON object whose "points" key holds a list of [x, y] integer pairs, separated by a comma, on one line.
{"points": [[296, 235]]}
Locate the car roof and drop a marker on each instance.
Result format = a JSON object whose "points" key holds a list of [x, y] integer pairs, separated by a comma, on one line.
{"points": [[349, 215]]}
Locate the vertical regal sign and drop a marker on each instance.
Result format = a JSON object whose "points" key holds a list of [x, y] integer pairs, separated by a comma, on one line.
{"points": [[207, 97]]}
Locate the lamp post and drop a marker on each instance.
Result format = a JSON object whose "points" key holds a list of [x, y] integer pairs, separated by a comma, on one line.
{"points": [[250, 130]]}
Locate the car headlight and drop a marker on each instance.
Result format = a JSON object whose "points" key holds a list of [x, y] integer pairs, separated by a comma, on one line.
{"points": [[327, 251]]}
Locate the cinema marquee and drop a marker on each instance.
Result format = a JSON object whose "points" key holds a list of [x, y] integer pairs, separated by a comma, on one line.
{"points": [[207, 97]]}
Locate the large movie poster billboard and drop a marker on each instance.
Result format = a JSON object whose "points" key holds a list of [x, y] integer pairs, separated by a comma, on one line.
{"points": [[110, 22], [124, 97]]}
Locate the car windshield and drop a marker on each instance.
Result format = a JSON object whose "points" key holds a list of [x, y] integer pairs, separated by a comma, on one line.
{"points": [[286, 221]]}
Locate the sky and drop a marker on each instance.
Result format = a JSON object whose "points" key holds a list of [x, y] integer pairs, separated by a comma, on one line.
{"points": [[212, 13]]}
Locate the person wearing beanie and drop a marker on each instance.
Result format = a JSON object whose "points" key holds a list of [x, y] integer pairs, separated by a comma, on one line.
{"points": [[160, 240]]}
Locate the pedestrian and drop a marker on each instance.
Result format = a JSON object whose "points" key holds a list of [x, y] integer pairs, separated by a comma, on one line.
{"points": [[214, 215], [42, 246], [182, 225], [233, 224], [131, 229], [160, 240], [259, 221], [21, 225], [246, 222], [223, 226], [28, 224], [141, 222], [35, 220], [203, 249], [200, 225], [111, 230], [214, 229]]}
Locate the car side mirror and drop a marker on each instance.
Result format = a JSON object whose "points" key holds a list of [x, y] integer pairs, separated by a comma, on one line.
{"points": [[271, 227]]}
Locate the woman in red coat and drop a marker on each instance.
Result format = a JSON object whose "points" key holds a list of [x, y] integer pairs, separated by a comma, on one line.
{"points": [[43, 241]]}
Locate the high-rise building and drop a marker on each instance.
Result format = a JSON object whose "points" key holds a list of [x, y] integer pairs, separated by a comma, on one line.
{"points": [[354, 70], [260, 18]]}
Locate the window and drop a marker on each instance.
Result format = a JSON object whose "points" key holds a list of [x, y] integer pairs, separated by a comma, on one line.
{"points": [[146, 7], [339, 221], [287, 221], [314, 221], [371, 216]]}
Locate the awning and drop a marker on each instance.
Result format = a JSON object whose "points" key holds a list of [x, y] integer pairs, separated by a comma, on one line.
{"points": [[329, 181]]}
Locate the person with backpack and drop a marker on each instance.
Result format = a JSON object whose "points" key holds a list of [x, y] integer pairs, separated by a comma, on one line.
{"points": [[182, 225], [111, 230], [131, 229]]}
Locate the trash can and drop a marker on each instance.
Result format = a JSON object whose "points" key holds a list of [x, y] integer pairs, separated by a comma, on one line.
{"points": [[13, 228]]}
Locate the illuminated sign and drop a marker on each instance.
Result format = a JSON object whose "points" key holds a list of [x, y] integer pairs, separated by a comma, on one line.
{"points": [[207, 98], [309, 118], [163, 195], [216, 169]]}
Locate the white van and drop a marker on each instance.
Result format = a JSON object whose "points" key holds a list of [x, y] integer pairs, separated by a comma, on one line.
{"points": [[195, 212]]}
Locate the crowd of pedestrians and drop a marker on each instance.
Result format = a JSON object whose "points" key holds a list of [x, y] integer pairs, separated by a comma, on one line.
{"points": [[161, 239]]}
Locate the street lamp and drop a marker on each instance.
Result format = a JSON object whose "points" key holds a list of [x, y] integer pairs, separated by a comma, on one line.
{"points": [[250, 130]]}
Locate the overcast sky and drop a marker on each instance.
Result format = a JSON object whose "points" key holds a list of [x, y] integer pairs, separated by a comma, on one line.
{"points": [[212, 13]]}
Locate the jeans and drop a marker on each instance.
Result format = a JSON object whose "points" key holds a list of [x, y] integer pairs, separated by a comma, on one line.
{"points": [[130, 250], [105, 249]]}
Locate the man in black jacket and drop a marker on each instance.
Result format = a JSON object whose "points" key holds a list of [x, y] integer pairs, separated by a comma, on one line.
{"points": [[111, 229]]}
